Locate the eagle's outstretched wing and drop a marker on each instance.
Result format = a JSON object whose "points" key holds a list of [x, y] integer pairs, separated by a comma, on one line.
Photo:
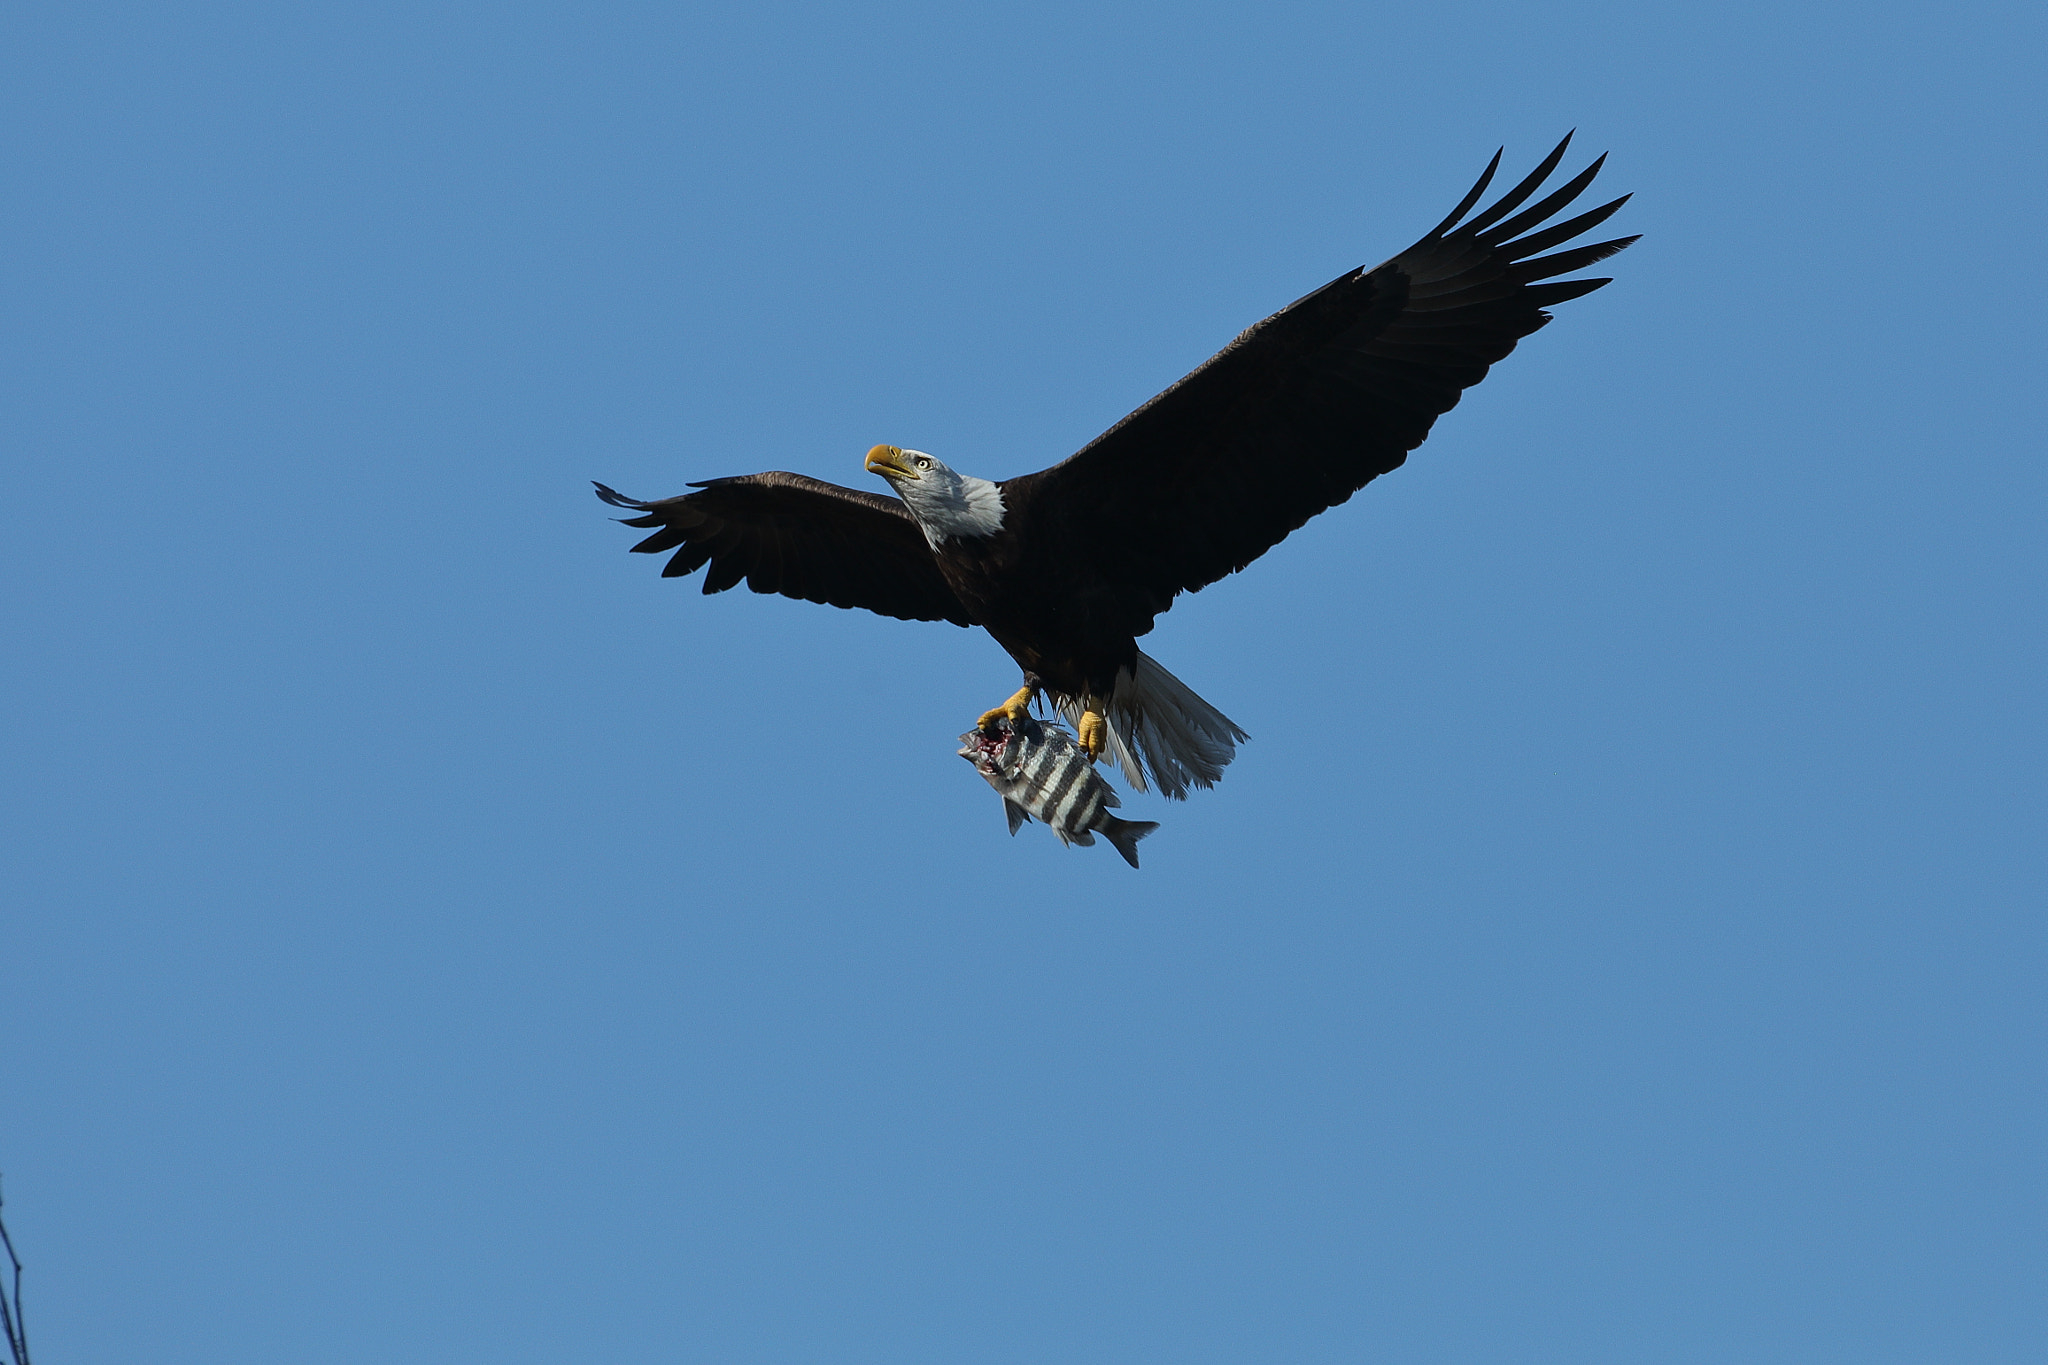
{"points": [[1307, 407], [802, 538]]}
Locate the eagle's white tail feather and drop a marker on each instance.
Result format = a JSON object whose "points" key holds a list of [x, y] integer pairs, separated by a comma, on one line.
{"points": [[1159, 728]]}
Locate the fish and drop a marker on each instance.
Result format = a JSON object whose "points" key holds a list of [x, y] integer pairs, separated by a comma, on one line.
{"points": [[1040, 772]]}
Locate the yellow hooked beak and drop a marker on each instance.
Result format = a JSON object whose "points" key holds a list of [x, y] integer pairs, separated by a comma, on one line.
{"points": [[889, 460]]}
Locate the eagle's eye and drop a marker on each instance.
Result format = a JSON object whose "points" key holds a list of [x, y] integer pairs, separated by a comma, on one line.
{"points": [[924, 462]]}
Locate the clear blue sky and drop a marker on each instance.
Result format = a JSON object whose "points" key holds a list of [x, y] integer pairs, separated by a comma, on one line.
{"points": [[428, 936]]}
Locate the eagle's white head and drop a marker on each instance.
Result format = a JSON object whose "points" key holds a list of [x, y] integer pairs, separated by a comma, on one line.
{"points": [[944, 502]]}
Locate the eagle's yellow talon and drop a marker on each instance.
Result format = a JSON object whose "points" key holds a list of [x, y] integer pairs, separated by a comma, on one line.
{"points": [[1013, 710], [1094, 736]]}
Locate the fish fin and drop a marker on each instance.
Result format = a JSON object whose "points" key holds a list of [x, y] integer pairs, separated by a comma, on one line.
{"points": [[1016, 813], [1123, 835]]}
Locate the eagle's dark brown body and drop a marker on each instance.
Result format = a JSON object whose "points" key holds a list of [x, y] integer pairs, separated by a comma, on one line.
{"points": [[1070, 635], [1291, 418]]}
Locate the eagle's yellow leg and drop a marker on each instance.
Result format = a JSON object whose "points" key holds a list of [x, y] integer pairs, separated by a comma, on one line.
{"points": [[1094, 735], [1013, 710]]}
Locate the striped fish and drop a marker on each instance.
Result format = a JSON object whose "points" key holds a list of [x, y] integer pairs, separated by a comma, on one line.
{"points": [[1042, 774]]}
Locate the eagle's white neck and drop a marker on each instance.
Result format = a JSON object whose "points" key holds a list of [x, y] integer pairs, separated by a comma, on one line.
{"points": [[960, 505]]}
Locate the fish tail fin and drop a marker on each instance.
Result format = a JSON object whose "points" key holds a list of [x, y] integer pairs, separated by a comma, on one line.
{"points": [[1123, 835], [1159, 728]]}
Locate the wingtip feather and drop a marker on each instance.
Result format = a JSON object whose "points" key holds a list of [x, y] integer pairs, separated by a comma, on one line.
{"points": [[616, 498], [1471, 195], [1514, 198], [1551, 203]]}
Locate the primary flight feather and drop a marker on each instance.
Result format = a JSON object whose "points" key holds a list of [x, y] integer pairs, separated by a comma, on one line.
{"points": [[1067, 567]]}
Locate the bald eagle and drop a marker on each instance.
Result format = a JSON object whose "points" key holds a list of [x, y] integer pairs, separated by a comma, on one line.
{"points": [[1067, 567]]}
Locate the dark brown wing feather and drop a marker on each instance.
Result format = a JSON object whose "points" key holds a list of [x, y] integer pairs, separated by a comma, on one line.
{"points": [[1307, 407], [802, 538]]}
